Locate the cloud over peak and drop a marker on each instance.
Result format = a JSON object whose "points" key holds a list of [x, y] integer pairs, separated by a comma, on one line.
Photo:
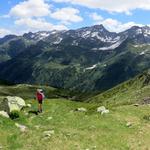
{"points": [[4, 32], [67, 15], [35, 15], [112, 24], [30, 8], [119, 6], [39, 24]]}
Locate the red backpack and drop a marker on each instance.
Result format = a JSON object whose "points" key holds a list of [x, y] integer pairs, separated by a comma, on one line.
{"points": [[39, 96]]}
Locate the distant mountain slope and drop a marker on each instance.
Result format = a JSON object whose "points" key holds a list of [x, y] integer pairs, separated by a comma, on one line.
{"points": [[86, 59], [135, 90], [4, 82], [27, 91]]}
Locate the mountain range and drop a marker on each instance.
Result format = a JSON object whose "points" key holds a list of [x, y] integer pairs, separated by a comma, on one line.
{"points": [[87, 59]]}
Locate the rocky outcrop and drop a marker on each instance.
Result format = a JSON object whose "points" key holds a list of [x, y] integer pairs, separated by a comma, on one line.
{"points": [[102, 110], [11, 103]]}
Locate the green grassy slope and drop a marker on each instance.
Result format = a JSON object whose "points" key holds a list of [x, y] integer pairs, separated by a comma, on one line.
{"points": [[23, 90], [132, 91], [28, 91], [77, 130], [80, 130]]}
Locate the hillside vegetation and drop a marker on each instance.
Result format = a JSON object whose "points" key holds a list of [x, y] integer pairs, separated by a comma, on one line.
{"points": [[135, 90], [72, 130], [27, 91], [86, 59], [125, 127]]}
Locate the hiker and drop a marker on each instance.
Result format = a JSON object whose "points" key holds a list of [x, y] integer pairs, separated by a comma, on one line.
{"points": [[40, 96]]}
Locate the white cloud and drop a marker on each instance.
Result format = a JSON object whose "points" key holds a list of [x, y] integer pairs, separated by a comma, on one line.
{"points": [[30, 16], [117, 26], [96, 17], [38, 24], [120, 6], [4, 32], [112, 24], [67, 15], [30, 8]]}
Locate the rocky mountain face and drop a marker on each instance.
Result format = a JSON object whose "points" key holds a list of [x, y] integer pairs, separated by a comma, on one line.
{"points": [[86, 59]]}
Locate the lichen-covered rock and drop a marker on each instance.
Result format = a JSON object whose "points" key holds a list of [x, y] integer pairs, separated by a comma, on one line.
{"points": [[106, 111], [101, 109], [22, 128], [128, 124], [49, 118], [48, 133], [82, 109], [4, 114], [11, 103]]}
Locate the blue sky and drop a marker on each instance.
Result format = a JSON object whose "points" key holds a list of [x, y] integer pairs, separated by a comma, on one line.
{"points": [[19, 16]]}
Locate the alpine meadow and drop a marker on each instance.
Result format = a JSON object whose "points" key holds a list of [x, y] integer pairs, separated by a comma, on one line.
{"points": [[74, 75]]}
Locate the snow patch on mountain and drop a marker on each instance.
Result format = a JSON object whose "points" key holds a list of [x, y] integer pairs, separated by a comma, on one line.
{"points": [[144, 52], [101, 38], [140, 45], [86, 34], [147, 33], [37, 36], [75, 43], [92, 67], [139, 31], [59, 39], [43, 35], [116, 39], [111, 47]]}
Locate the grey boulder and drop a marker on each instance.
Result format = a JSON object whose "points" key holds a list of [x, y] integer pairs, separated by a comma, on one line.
{"points": [[11, 103]]}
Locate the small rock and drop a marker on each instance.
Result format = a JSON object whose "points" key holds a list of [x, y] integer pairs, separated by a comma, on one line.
{"points": [[105, 112], [101, 108], [48, 133], [49, 118], [4, 114], [21, 127], [81, 109], [28, 105], [136, 105], [129, 124]]}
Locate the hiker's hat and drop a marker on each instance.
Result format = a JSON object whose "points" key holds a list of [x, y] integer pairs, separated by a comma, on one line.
{"points": [[39, 90]]}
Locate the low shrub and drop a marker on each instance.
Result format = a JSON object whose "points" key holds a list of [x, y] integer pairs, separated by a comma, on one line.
{"points": [[146, 117], [14, 114]]}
